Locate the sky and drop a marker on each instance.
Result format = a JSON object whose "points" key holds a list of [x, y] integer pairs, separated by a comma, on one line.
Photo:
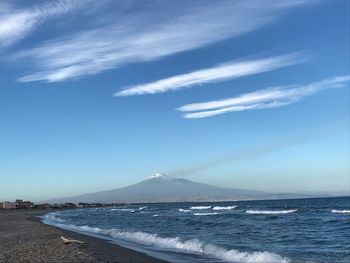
{"points": [[97, 95]]}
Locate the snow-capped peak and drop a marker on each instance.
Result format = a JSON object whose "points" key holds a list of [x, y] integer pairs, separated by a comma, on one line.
{"points": [[157, 176]]}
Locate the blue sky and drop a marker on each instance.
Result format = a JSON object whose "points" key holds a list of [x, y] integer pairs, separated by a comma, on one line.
{"points": [[97, 95]]}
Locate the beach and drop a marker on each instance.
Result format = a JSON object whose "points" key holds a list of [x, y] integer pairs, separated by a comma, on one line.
{"points": [[23, 238]]}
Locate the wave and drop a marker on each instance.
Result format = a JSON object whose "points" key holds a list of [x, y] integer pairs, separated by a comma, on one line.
{"points": [[155, 215], [205, 214], [340, 211], [200, 207], [191, 246], [53, 217], [268, 212], [224, 207], [184, 210], [142, 207], [123, 209]]}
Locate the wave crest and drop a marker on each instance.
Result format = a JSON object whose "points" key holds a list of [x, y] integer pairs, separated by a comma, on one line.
{"points": [[340, 211], [268, 212], [205, 214], [184, 210], [53, 217], [192, 246], [200, 207], [224, 207]]}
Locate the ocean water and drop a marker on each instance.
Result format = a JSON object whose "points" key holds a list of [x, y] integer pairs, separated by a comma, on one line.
{"points": [[298, 230]]}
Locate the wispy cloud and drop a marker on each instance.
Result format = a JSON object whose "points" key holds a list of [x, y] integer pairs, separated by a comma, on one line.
{"points": [[262, 99], [149, 33], [16, 24], [218, 73]]}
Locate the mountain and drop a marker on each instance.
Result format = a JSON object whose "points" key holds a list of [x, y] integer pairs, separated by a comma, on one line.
{"points": [[162, 188]]}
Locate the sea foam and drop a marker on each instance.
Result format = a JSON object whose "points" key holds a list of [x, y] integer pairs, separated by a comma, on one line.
{"points": [[53, 216], [192, 246], [205, 214], [200, 207], [224, 207], [184, 210], [340, 211], [268, 212]]}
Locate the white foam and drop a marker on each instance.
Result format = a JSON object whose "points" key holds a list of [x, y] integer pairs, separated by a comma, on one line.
{"points": [[155, 215], [192, 246], [123, 209], [205, 214], [184, 210], [53, 217], [224, 207], [142, 207], [200, 207], [268, 212], [340, 211]]}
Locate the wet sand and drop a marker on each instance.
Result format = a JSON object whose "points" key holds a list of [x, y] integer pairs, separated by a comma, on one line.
{"points": [[23, 238]]}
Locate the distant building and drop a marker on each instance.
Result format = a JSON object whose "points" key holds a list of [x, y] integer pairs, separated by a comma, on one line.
{"points": [[24, 204], [83, 205], [18, 204], [57, 206], [42, 206], [69, 205], [9, 205]]}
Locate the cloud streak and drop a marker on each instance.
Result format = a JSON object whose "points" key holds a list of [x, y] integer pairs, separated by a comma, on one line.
{"points": [[262, 99], [218, 73], [145, 34], [16, 24]]}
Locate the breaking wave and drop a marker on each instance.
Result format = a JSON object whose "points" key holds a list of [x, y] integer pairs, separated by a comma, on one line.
{"points": [[205, 214], [268, 212], [340, 211], [224, 207], [142, 207], [184, 210], [192, 246], [200, 207], [53, 217]]}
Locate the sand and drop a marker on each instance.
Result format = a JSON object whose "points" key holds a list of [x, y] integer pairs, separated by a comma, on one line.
{"points": [[23, 238]]}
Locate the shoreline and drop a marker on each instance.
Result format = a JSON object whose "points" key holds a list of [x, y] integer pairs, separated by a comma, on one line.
{"points": [[24, 238]]}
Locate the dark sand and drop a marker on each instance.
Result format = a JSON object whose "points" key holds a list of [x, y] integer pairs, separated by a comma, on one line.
{"points": [[23, 238]]}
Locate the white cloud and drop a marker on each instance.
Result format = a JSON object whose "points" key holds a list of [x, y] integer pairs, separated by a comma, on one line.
{"points": [[218, 73], [262, 99], [156, 31], [15, 24]]}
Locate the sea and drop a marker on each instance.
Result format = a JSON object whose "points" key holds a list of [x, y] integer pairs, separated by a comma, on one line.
{"points": [[293, 230]]}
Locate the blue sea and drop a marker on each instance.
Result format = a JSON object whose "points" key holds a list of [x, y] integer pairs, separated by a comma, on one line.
{"points": [[298, 230]]}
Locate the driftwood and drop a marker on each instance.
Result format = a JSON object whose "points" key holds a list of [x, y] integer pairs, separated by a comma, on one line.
{"points": [[70, 241]]}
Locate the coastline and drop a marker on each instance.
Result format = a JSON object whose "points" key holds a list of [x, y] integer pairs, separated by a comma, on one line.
{"points": [[24, 238]]}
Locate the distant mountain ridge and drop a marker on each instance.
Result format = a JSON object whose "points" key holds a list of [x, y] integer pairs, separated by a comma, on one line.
{"points": [[163, 188]]}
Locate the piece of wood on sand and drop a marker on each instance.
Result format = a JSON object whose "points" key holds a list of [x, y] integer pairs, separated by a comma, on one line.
{"points": [[71, 241]]}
